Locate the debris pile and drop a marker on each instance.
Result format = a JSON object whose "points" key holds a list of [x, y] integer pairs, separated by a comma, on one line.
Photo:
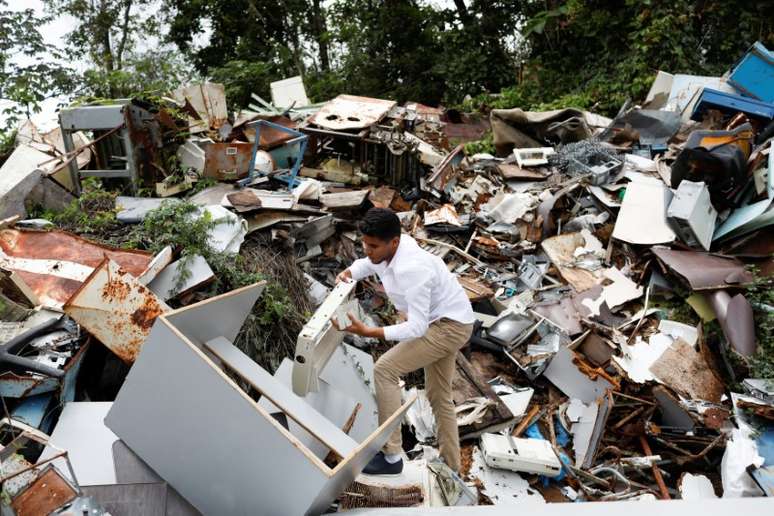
{"points": [[620, 272]]}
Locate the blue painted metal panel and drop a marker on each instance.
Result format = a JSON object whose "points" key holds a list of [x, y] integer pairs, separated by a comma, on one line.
{"points": [[13, 385], [18, 386], [34, 411], [753, 75], [729, 103]]}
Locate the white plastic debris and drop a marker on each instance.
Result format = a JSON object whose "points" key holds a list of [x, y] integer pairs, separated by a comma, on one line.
{"points": [[741, 451], [227, 236], [501, 486], [420, 417], [696, 487]]}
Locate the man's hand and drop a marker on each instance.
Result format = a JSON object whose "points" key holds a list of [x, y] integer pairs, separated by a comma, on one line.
{"points": [[344, 275], [357, 327]]}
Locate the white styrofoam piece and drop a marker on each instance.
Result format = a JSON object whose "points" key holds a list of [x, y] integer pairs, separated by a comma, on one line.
{"points": [[518, 401], [638, 357], [20, 173], [678, 330]]}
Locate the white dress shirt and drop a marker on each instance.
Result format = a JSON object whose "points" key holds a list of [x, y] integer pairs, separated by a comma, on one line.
{"points": [[419, 284]]}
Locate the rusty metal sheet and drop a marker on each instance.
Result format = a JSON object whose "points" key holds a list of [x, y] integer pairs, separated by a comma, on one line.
{"points": [[227, 161], [116, 308], [466, 132], [55, 263], [351, 112], [446, 214], [47, 492], [704, 271]]}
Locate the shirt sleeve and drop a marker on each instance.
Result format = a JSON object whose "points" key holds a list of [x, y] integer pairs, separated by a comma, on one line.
{"points": [[418, 301], [361, 268]]}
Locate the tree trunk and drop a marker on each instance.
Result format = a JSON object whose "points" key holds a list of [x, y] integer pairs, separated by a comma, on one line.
{"points": [[320, 28], [124, 35], [462, 11], [102, 38]]}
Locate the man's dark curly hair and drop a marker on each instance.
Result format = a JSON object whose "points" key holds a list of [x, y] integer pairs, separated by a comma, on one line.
{"points": [[380, 223]]}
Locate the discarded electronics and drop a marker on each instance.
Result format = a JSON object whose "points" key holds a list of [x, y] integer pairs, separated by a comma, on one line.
{"points": [[197, 341], [318, 339], [533, 157], [40, 355], [38, 488], [520, 455], [692, 215]]}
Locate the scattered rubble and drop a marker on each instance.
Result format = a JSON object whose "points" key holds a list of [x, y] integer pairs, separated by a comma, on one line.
{"points": [[620, 271]]}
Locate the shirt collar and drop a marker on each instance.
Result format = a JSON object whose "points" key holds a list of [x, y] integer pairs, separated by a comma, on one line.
{"points": [[402, 245]]}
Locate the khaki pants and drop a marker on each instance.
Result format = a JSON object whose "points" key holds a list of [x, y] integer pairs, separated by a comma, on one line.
{"points": [[436, 352]]}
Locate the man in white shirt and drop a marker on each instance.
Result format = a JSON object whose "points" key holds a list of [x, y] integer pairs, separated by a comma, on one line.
{"points": [[439, 321]]}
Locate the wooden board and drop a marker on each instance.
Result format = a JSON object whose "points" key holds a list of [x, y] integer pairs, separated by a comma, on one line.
{"points": [[467, 384]]}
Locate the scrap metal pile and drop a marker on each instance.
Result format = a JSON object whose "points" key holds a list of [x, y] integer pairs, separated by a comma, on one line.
{"points": [[615, 267]]}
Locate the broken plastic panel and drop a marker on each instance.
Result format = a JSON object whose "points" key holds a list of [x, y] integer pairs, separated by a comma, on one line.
{"points": [[692, 215], [521, 455], [318, 339]]}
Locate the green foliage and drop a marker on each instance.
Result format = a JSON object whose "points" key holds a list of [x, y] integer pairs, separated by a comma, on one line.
{"points": [[184, 227], [176, 224], [404, 50], [93, 212], [150, 74], [242, 78], [323, 86], [7, 144], [761, 297], [485, 145], [105, 31], [599, 53], [30, 69], [276, 304]]}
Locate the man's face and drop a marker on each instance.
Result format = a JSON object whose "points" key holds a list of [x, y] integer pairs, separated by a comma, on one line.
{"points": [[379, 250]]}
